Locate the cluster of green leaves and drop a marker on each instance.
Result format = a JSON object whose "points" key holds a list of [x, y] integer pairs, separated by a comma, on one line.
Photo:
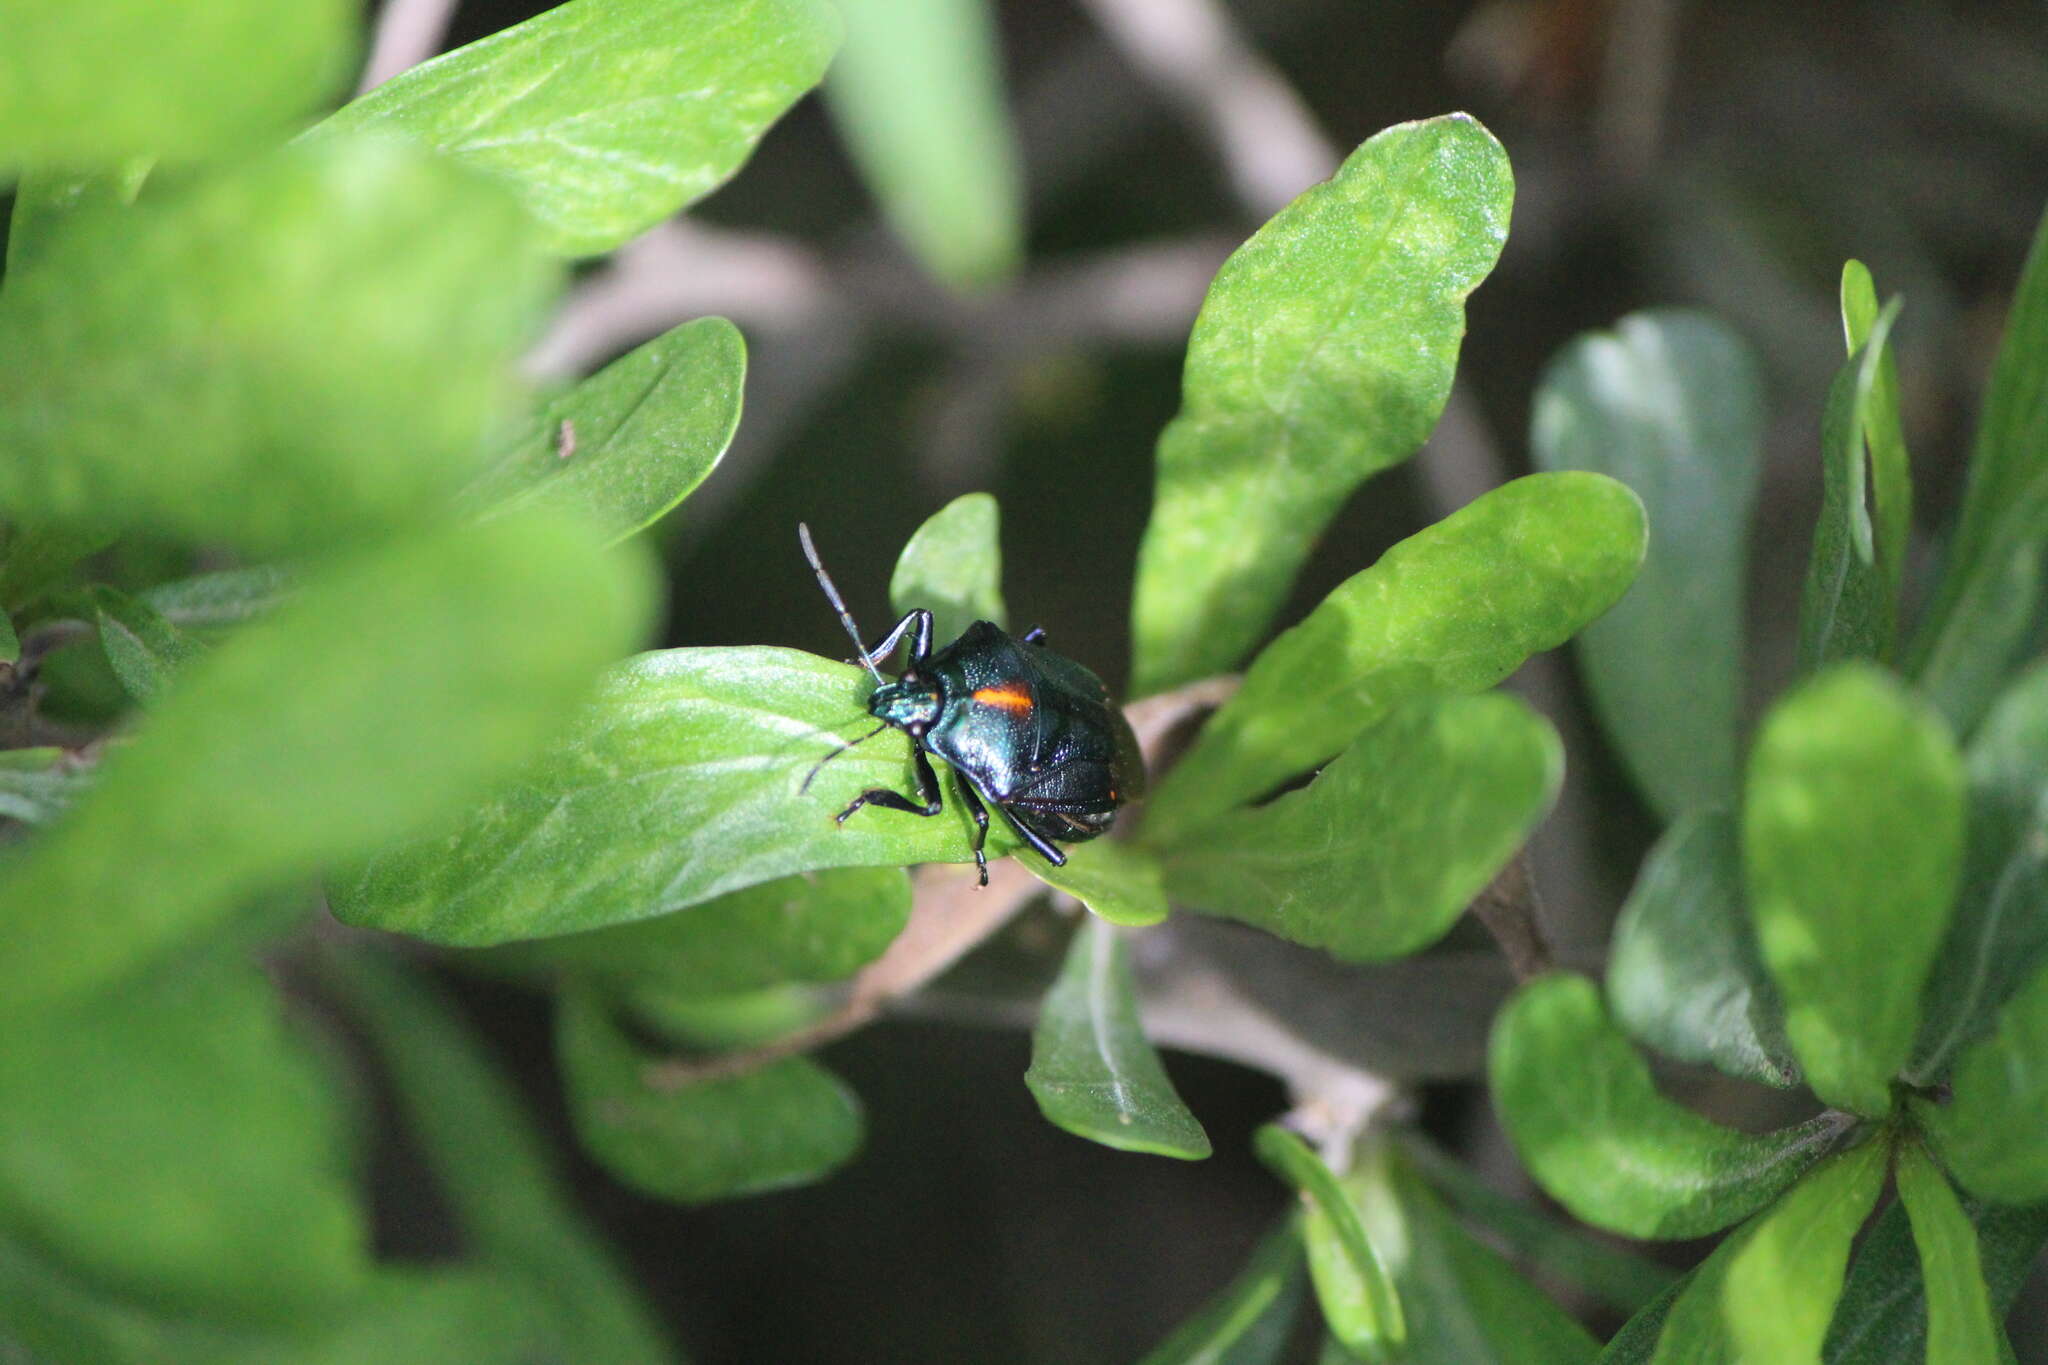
{"points": [[1860, 908]]}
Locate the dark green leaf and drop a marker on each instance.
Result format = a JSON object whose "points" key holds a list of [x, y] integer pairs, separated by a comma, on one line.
{"points": [[288, 740], [606, 116], [1578, 1102], [1671, 404], [38, 785], [2000, 931], [1380, 854], [1322, 355], [1960, 1327], [34, 560], [788, 1123], [696, 1022], [1352, 1285], [1683, 975], [1248, 1323], [143, 648], [1454, 608], [1636, 1342], [918, 93], [516, 1213], [1989, 1135], [1093, 1072], [172, 1140], [1891, 470], [1461, 1302], [1119, 882], [682, 780], [627, 444], [226, 597], [44, 200], [1624, 1282], [1853, 836], [87, 84], [1960, 653], [1882, 1318], [322, 337], [1848, 611], [820, 926], [10, 643], [1767, 1293], [953, 567]]}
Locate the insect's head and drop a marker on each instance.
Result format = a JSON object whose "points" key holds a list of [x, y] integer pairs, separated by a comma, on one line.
{"points": [[910, 703]]}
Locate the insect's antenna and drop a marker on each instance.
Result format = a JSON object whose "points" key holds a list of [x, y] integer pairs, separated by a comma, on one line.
{"points": [[838, 751], [803, 533]]}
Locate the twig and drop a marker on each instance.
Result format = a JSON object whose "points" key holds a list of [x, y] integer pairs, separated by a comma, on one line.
{"points": [[408, 32], [1510, 911]]}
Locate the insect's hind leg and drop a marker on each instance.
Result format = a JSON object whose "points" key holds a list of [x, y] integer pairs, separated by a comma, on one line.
{"points": [[927, 788], [972, 800], [1045, 847]]}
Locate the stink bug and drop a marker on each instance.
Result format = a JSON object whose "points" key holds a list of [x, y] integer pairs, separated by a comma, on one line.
{"points": [[1025, 729]]}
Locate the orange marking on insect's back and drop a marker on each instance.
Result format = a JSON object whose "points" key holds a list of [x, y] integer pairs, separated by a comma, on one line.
{"points": [[1004, 698]]}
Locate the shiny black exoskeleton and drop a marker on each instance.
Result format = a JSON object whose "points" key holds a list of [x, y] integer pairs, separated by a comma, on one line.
{"points": [[1025, 729]]}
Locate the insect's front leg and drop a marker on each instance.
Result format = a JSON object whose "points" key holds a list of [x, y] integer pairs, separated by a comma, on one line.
{"points": [[927, 787], [919, 623], [980, 814]]}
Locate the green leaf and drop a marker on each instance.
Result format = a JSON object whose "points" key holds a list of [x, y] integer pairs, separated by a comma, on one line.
{"points": [[1461, 1303], [226, 597], [89, 83], [683, 779], [918, 95], [44, 200], [1767, 1292], [2000, 931], [143, 648], [38, 785], [1891, 470], [1684, 975], [1853, 837], [1882, 1317], [819, 926], [789, 1123], [516, 1213], [1636, 1342], [1670, 403], [10, 643], [606, 116], [629, 443], [1093, 1072], [1960, 1327], [953, 567], [322, 337], [1989, 1134], [1323, 354], [1848, 611], [1578, 1102], [1454, 608], [294, 749], [1249, 1321], [1380, 854], [1351, 1280], [171, 1139], [1624, 1282], [1119, 882], [1960, 651], [33, 560]]}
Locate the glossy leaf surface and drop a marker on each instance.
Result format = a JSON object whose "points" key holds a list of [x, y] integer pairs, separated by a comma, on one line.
{"points": [[785, 1124], [1853, 837], [1454, 608], [1884, 431], [1671, 404], [46, 200], [1578, 1102], [1352, 1285], [89, 83], [681, 780], [1119, 882], [1323, 354], [1882, 1317], [323, 337], [1684, 975], [1093, 1071], [297, 755], [1847, 610], [953, 568], [1380, 854], [1989, 1134], [1960, 1327], [627, 444], [606, 116]]}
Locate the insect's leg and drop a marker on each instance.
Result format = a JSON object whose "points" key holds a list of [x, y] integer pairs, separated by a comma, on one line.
{"points": [[1046, 848], [1035, 636], [980, 814], [927, 787], [919, 621]]}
